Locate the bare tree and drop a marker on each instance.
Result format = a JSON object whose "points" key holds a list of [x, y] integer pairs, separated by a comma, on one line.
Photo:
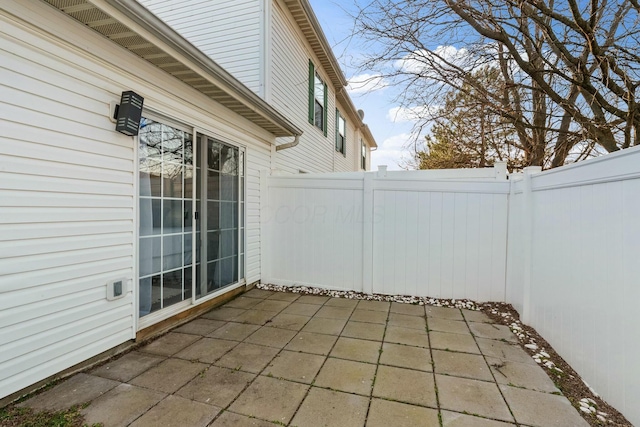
{"points": [[569, 69]]}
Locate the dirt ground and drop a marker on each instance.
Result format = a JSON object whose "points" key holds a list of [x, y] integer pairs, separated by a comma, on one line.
{"points": [[567, 380]]}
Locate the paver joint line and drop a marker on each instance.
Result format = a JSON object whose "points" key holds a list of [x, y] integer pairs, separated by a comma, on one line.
{"points": [[288, 358]]}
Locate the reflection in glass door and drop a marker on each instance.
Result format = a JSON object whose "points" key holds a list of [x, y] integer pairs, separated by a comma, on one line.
{"points": [[220, 207], [165, 211], [166, 233]]}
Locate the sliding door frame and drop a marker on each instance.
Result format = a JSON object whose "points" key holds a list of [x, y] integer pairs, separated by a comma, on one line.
{"points": [[241, 212]]}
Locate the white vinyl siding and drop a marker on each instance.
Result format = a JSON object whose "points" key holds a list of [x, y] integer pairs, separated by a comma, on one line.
{"points": [[290, 56], [68, 204], [257, 160], [350, 160], [66, 213], [261, 45], [229, 32]]}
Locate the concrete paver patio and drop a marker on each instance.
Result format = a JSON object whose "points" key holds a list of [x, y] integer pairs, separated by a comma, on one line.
{"points": [[295, 360]]}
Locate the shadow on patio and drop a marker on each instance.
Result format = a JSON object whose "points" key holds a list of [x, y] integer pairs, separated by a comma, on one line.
{"points": [[270, 358]]}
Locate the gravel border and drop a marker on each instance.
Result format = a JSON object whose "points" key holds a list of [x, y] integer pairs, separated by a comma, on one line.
{"points": [[589, 404]]}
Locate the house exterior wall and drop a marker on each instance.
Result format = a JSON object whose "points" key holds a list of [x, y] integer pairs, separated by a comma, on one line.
{"points": [[259, 42], [68, 188], [290, 94], [290, 55], [232, 33], [350, 160]]}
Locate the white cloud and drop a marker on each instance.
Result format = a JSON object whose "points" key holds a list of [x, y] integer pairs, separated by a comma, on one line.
{"points": [[390, 152], [425, 62], [412, 63], [421, 61], [366, 83], [452, 54], [396, 142], [410, 114]]}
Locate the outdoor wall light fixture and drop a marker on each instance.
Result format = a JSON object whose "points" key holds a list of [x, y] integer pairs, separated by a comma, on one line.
{"points": [[128, 113]]}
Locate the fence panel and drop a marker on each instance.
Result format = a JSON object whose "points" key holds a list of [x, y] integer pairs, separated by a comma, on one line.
{"points": [[515, 249], [314, 232], [585, 280], [385, 233], [440, 239]]}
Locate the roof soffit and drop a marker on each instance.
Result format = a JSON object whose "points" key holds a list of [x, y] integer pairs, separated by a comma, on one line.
{"points": [[200, 72]]}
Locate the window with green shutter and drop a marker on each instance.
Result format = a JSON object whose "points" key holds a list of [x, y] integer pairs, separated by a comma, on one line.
{"points": [[317, 100]]}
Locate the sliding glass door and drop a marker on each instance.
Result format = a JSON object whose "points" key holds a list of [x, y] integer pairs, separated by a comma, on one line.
{"points": [[165, 206], [168, 167], [219, 222]]}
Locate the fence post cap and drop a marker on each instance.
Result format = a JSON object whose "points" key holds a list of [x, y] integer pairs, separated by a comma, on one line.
{"points": [[500, 170], [530, 170]]}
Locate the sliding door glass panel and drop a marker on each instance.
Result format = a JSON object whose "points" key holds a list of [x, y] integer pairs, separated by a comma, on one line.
{"points": [[218, 198], [165, 210], [150, 250], [172, 291]]}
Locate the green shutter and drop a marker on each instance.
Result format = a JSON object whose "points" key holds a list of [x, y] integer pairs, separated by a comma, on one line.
{"points": [[344, 143], [325, 110], [312, 76]]}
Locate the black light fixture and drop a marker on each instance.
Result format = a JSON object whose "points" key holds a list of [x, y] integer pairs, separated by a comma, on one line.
{"points": [[128, 113]]}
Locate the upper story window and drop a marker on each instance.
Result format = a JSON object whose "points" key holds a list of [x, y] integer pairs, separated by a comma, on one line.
{"points": [[341, 133], [317, 100], [364, 155]]}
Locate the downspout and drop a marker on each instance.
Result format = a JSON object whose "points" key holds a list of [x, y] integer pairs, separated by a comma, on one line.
{"points": [[289, 144]]}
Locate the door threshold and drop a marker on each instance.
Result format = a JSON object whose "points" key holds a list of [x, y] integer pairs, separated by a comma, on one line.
{"points": [[187, 314]]}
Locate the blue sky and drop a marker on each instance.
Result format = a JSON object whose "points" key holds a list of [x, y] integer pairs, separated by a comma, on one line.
{"points": [[390, 134]]}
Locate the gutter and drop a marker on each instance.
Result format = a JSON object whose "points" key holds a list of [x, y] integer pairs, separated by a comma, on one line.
{"points": [[326, 47], [369, 136], [142, 17], [289, 144]]}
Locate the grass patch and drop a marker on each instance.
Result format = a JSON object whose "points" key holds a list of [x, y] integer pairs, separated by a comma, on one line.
{"points": [[12, 416]]}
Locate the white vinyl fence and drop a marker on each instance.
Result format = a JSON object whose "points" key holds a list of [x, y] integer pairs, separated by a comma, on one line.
{"points": [[574, 272], [416, 233], [560, 245]]}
